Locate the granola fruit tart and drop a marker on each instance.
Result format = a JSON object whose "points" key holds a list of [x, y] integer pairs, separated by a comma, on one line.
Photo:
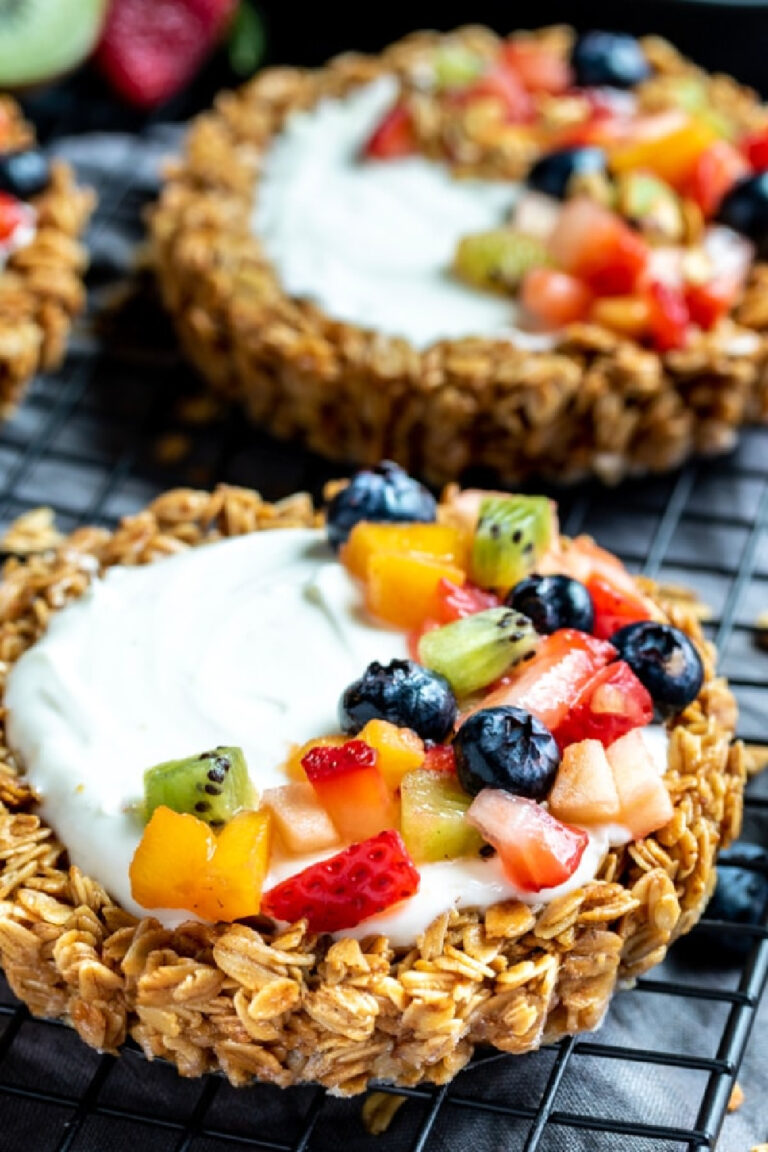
{"points": [[42, 214], [339, 798], [536, 254]]}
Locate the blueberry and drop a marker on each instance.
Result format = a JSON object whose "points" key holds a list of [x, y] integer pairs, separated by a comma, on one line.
{"points": [[506, 748], [553, 172], [664, 659], [385, 492], [745, 209], [552, 602], [403, 693], [741, 896], [23, 174], [612, 59]]}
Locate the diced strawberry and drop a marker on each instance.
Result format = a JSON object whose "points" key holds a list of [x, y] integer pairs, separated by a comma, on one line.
{"points": [[536, 850], [548, 684], [150, 48], [707, 303], [614, 606], [643, 797], [596, 245], [351, 788], [582, 559], [714, 172], [755, 148], [505, 86], [363, 880], [611, 703], [539, 68], [393, 137], [13, 214], [440, 758], [455, 601], [668, 317], [552, 299]]}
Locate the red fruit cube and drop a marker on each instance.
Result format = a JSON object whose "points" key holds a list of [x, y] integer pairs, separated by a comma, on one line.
{"points": [[455, 601], [538, 66], [668, 316], [505, 86], [552, 299], [363, 880], [351, 789], [755, 148], [596, 245], [707, 303], [714, 173], [536, 850], [614, 606], [611, 703], [440, 758], [13, 214], [393, 137]]}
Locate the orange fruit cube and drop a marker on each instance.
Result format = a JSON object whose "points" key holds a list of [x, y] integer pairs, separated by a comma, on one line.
{"points": [[402, 589], [440, 542], [671, 154], [174, 848], [399, 750], [230, 887]]}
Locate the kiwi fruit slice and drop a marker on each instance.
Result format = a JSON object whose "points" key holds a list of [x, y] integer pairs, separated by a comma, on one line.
{"points": [[473, 652], [512, 534], [433, 823], [213, 786], [498, 260], [43, 39]]}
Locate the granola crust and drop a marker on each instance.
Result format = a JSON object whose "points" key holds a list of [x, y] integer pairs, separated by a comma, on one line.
{"points": [[289, 1006], [596, 404], [41, 286]]}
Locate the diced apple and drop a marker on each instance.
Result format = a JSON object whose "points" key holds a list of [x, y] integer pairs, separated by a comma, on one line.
{"points": [[644, 801], [584, 791], [300, 819]]}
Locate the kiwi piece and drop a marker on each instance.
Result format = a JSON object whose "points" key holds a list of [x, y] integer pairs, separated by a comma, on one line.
{"points": [[512, 534], [473, 652], [213, 786], [433, 823], [498, 260], [43, 39]]}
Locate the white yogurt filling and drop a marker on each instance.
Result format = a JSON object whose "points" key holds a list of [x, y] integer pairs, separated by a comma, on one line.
{"points": [[372, 242], [249, 641]]}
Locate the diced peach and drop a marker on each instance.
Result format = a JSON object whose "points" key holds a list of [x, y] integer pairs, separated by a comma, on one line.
{"points": [[626, 315], [354, 792], [292, 766], [402, 589], [231, 885], [669, 149], [643, 797], [440, 542], [300, 819], [400, 750], [584, 791], [174, 848]]}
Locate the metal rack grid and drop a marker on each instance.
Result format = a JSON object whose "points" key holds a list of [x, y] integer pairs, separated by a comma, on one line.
{"points": [[102, 437]]}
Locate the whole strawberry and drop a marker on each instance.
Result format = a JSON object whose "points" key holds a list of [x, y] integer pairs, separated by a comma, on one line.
{"points": [[151, 48]]}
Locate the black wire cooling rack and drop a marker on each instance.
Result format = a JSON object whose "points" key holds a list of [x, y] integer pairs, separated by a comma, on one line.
{"points": [[101, 438]]}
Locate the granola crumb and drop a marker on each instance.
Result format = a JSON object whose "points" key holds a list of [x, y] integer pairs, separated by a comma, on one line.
{"points": [[34, 531], [172, 448], [755, 758], [379, 1109], [736, 1098]]}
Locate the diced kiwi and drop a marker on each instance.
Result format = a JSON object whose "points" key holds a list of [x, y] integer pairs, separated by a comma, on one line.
{"points": [[473, 652], [42, 39], [651, 204], [455, 66], [432, 817], [498, 260], [511, 535], [212, 786]]}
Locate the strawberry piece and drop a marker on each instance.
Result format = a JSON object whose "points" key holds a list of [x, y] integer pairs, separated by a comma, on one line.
{"points": [[614, 606], [393, 137], [553, 299], [536, 850], [13, 214], [440, 758], [707, 303], [755, 148], [548, 684], [351, 789], [668, 318], [150, 48], [596, 245], [539, 68], [338, 893], [714, 173], [610, 704], [505, 86], [455, 601]]}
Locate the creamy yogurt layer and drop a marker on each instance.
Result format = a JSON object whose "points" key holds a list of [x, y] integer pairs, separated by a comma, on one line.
{"points": [[372, 243], [248, 641]]}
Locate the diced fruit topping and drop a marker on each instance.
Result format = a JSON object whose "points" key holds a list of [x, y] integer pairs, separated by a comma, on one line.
{"points": [[664, 659], [708, 303], [505, 88], [547, 684], [498, 260], [399, 750], [456, 66], [455, 601], [440, 758], [403, 693], [180, 863], [584, 791], [614, 606], [212, 786], [552, 299], [652, 206], [745, 209], [393, 137], [338, 893], [597, 246], [351, 789], [611, 703], [24, 174], [668, 316], [385, 492], [434, 807], [643, 797], [714, 173], [668, 145], [293, 767], [511, 533], [13, 215], [626, 315], [554, 172], [538, 66], [300, 819], [443, 543], [609, 59], [402, 589], [755, 148], [552, 602], [506, 748], [473, 652], [536, 850]]}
